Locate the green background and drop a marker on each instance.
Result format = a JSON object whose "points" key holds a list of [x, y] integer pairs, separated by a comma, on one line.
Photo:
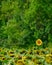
{"points": [[22, 22]]}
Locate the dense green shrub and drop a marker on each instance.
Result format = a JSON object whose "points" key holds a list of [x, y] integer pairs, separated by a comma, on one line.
{"points": [[24, 21]]}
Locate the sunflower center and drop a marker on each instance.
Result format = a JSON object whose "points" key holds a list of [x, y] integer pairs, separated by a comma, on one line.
{"points": [[39, 42]]}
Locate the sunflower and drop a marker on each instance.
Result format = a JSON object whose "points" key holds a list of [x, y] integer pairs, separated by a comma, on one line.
{"points": [[35, 61], [11, 52], [23, 57], [23, 51], [20, 62], [30, 52], [38, 42], [12, 55], [3, 58], [48, 58], [30, 63]]}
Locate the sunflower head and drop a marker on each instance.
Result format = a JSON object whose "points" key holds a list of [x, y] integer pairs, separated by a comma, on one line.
{"points": [[23, 57], [20, 62], [11, 52], [3, 58], [48, 58], [38, 42], [23, 51]]}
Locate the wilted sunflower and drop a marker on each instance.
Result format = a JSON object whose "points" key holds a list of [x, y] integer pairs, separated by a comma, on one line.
{"points": [[38, 42]]}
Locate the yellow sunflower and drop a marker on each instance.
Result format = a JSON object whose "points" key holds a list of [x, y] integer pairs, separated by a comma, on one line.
{"points": [[20, 62], [35, 61], [48, 58], [3, 58], [23, 57], [38, 42]]}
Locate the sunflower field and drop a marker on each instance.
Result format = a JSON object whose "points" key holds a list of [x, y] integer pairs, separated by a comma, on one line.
{"points": [[23, 56], [25, 32]]}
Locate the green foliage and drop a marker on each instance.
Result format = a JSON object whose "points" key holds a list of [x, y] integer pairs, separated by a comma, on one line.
{"points": [[24, 21]]}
